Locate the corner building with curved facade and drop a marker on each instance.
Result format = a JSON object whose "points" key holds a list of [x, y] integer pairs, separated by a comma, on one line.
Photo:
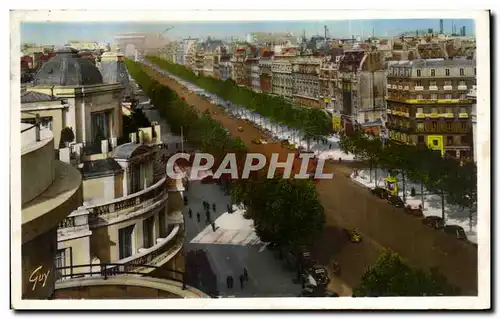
{"points": [[128, 218]]}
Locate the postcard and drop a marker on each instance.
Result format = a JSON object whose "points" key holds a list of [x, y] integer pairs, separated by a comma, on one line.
{"points": [[236, 160]]}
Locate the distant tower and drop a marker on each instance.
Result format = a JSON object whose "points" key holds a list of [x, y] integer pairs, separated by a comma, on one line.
{"points": [[441, 24]]}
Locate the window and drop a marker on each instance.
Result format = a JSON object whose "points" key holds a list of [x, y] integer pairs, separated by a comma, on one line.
{"points": [[462, 97], [474, 71], [447, 96], [447, 72], [463, 140], [419, 73], [420, 126], [419, 83], [419, 97], [99, 126], [434, 125], [434, 96], [125, 241], [134, 175], [433, 83], [449, 140], [447, 83], [420, 110], [147, 230], [448, 126], [433, 72], [62, 256], [449, 110], [434, 110], [420, 139], [463, 110], [464, 125], [461, 83], [427, 109], [462, 71]]}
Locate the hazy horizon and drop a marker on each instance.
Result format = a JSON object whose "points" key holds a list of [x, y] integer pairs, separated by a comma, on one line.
{"points": [[59, 33]]}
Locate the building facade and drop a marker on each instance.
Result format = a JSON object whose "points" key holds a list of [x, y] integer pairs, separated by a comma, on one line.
{"points": [[306, 81], [266, 74], [282, 75], [427, 103], [239, 71], [50, 190]]}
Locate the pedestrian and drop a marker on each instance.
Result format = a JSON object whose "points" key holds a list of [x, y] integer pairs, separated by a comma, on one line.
{"points": [[190, 212], [213, 206], [340, 160], [213, 226], [231, 282], [245, 274], [228, 282], [198, 217], [242, 280], [330, 146]]}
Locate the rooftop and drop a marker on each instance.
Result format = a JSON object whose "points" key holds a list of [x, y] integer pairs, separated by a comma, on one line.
{"points": [[30, 97], [99, 168], [129, 150], [68, 68], [435, 63]]}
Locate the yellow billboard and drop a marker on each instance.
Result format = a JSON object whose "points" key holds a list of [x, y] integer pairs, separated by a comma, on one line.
{"points": [[336, 123], [435, 143]]}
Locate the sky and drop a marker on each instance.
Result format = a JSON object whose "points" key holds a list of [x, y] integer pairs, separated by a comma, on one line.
{"points": [[59, 33]]}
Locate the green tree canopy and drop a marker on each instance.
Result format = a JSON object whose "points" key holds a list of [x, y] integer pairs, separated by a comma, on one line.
{"points": [[391, 276]]}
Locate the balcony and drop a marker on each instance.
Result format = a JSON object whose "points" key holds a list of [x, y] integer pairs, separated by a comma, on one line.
{"points": [[389, 86], [406, 88], [74, 226], [447, 87], [433, 88], [147, 199], [157, 255], [418, 88], [462, 87]]}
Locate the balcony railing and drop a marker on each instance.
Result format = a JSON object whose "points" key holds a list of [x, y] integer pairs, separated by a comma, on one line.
{"points": [[134, 201], [106, 270], [158, 253]]}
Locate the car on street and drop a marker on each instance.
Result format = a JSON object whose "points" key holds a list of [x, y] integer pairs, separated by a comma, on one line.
{"points": [[455, 231], [240, 129], [396, 201], [435, 222], [380, 192], [256, 140], [352, 235], [414, 211]]}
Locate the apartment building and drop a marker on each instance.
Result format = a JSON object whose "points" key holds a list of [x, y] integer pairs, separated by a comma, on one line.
{"points": [[239, 72], [265, 67], [427, 103], [282, 78], [305, 72]]}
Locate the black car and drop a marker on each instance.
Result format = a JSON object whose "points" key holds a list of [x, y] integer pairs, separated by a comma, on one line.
{"points": [[396, 201], [380, 192], [455, 231], [433, 222]]}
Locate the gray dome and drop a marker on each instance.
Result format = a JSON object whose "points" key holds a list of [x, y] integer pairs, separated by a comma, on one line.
{"points": [[67, 68]]}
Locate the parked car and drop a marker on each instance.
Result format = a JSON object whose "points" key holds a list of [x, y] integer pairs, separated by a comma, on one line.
{"points": [[417, 212], [433, 222], [455, 231], [256, 140], [395, 201], [352, 235], [240, 129], [380, 192]]}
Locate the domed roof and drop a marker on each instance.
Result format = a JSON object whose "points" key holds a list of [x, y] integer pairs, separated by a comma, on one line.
{"points": [[68, 68]]}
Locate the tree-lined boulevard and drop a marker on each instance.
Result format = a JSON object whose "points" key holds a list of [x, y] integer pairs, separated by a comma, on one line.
{"points": [[344, 203]]}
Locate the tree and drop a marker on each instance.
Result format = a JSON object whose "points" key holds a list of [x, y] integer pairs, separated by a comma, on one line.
{"points": [[391, 276], [293, 217]]}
